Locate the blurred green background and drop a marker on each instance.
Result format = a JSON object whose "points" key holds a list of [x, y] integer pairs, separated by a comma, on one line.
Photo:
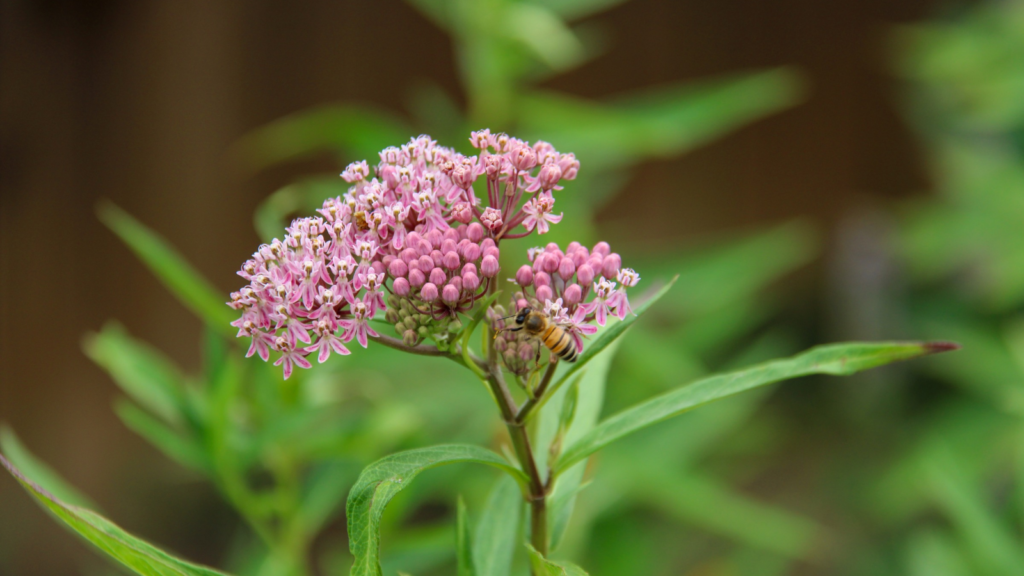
{"points": [[814, 173]]}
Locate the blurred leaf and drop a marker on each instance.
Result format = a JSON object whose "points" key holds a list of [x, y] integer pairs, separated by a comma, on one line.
{"points": [[932, 553], [608, 336], [836, 359], [46, 477], [544, 567], [463, 542], [993, 546], [360, 131], [659, 123], [136, 554], [171, 269], [324, 494], [573, 9], [497, 533], [544, 33], [186, 451], [304, 197], [707, 503], [140, 370], [381, 481]]}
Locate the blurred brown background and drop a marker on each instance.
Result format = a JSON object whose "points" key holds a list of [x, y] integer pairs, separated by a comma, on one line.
{"points": [[139, 102]]}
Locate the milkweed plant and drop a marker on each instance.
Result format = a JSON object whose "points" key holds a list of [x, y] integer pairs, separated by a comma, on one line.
{"points": [[420, 256]]}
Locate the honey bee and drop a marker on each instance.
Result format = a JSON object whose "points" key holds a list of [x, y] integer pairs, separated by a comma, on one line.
{"points": [[554, 337], [360, 218]]}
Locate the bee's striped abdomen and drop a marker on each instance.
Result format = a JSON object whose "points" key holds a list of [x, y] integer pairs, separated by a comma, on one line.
{"points": [[559, 342]]}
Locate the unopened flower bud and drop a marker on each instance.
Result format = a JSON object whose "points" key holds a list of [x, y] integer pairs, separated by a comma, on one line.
{"points": [[570, 166], [551, 263], [426, 264], [462, 212], [469, 268], [521, 303], [470, 281], [544, 293], [526, 354], [449, 244], [398, 268], [524, 276], [573, 294], [611, 265], [542, 279], [491, 218], [434, 237], [472, 253], [548, 176], [500, 344], [410, 338], [429, 292], [457, 282], [524, 158], [492, 251], [566, 268], [437, 257], [449, 294], [510, 356], [409, 254], [437, 276], [602, 248], [401, 286], [489, 266], [451, 260], [416, 278], [475, 232], [391, 316]]}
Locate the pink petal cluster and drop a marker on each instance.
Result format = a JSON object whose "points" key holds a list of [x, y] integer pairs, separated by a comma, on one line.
{"points": [[563, 281], [416, 229]]}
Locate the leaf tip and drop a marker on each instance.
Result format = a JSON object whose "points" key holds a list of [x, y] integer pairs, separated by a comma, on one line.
{"points": [[940, 346]]}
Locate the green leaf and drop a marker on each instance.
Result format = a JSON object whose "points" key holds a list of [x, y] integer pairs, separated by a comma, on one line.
{"points": [[545, 34], [140, 370], [659, 123], [609, 335], [185, 450], [835, 359], [359, 130], [138, 555], [497, 533], [993, 544], [381, 481], [299, 198], [171, 269], [544, 567], [45, 477], [463, 542]]}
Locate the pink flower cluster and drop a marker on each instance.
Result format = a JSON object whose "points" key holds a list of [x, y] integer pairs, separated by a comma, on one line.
{"points": [[563, 281], [416, 230]]}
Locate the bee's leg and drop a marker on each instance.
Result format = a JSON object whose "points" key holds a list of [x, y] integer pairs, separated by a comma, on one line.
{"points": [[537, 359]]}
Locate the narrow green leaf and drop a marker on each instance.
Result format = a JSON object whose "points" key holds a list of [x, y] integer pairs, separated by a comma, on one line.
{"points": [[170, 268], [463, 542], [544, 33], [134, 553], [186, 451], [46, 477], [544, 567], [140, 370], [382, 480], [497, 533], [835, 359], [993, 544], [609, 335]]}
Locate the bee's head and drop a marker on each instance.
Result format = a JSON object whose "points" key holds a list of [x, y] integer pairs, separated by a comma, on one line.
{"points": [[521, 316]]}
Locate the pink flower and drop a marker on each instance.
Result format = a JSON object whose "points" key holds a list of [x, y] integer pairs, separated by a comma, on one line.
{"points": [[618, 301], [599, 305], [539, 213], [327, 342], [356, 172], [358, 327], [290, 357]]}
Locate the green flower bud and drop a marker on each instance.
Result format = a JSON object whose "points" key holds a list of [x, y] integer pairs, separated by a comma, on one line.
{"points": [[391, 316], [410, 338], [454, 326], [500, 344], [406, 306], [423, 332], [393, 301]]}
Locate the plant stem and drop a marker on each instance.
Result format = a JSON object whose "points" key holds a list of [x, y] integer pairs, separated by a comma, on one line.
{"points": [[538, 394], [537, 496]]}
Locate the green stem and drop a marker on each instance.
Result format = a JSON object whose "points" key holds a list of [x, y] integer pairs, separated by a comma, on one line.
{"points": [[538, 394]]}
